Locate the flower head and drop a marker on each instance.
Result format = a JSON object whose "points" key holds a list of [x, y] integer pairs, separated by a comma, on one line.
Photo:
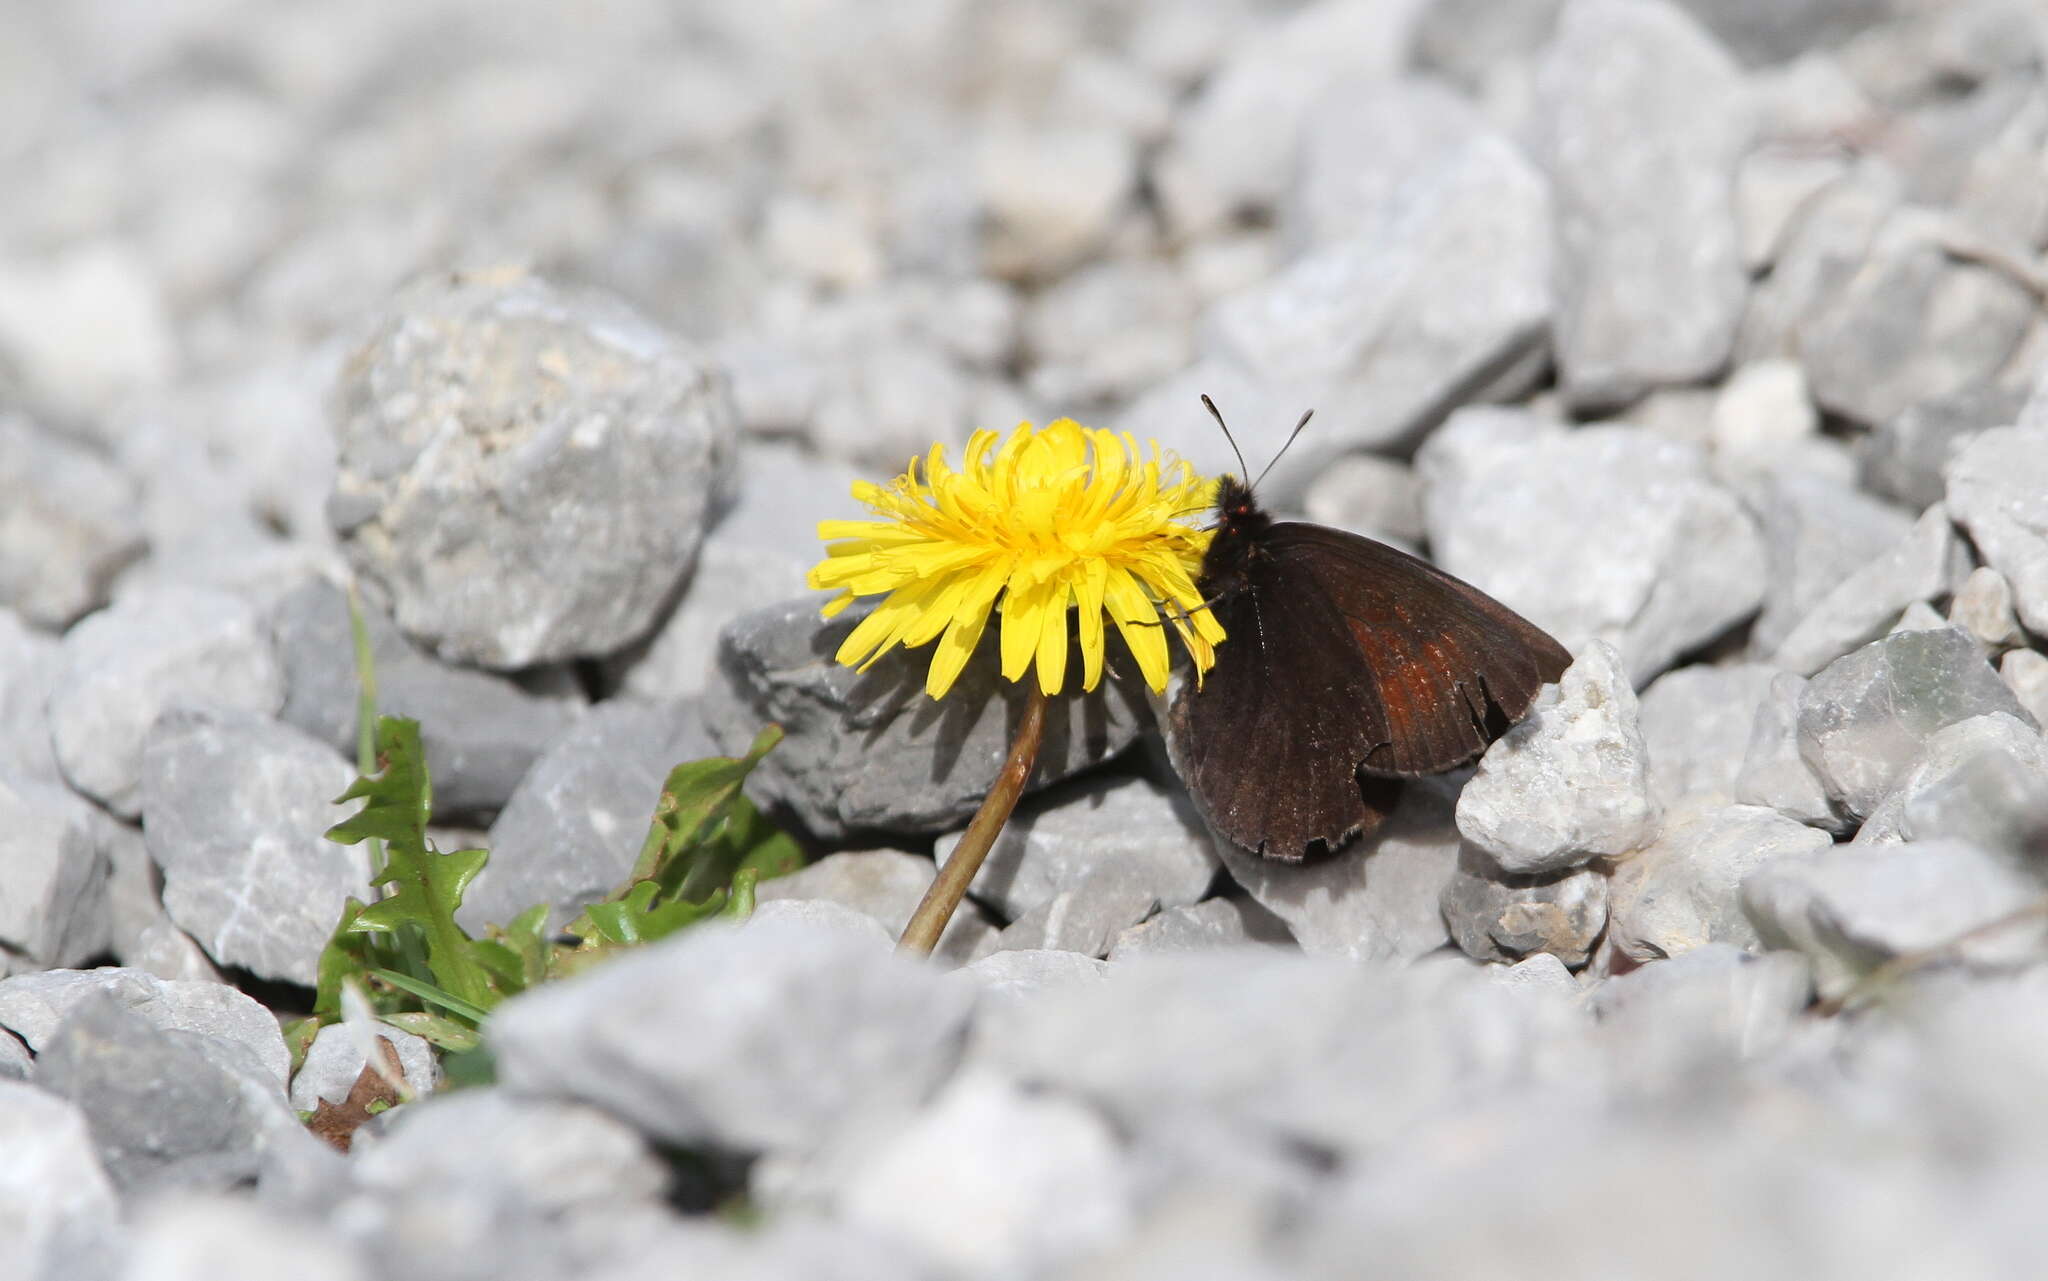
{"points": [[1036, 524]]}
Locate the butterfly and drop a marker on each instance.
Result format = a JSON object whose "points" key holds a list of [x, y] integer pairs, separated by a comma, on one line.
{"points": [[1349, 665]]}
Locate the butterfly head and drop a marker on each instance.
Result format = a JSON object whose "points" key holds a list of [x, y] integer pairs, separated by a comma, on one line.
{"points": [[1240, 522], [1237, 511]]}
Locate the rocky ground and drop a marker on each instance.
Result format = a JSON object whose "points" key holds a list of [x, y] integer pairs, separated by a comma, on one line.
{"points": [[1706, 333]]}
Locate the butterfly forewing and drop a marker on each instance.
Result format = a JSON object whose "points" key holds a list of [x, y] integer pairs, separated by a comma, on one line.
{"points": [[1349, 663], [1451, 667]]}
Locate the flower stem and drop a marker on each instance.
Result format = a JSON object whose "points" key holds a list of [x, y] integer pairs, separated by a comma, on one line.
{"points": [[950, 886]]}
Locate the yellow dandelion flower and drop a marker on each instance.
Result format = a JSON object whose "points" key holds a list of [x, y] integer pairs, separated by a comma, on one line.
{"points": [[1038, 525]]}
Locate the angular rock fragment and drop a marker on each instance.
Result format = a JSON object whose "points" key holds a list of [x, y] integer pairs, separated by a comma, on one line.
{"points": [[525, 474], [69, 524], [53, 862], [1378, 899], [571, 829], [1863, 606], [2025, 672], [1982, 606], [1998, 490], [234, 811], [886, 885], [1651, 263], [868, 751], [1086, 918], [63, 1215], [1911, 325], [1212, 923], [1568, 784], [1865, 718], [1143, 833], [1433, 291], [1683, 891], [1600, 533], [33, 1006], [335, 1059], [1696, 726], [1852, 909], [992, 1176], [169, 1108], [481, 732], [1496, 916], [149, 651], [766, 1036], [1773, 773], [1983, 780], [1817, 532], [1903, 457]]}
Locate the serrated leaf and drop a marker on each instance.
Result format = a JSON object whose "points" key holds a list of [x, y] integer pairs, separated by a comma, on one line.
{"points": [[694, 799], [505, 965], [344, 955], [527, 937], [666, 919], [397, 799], [618, 921], [706, 848], [637, 918], [433, 890], [298, 1038], [429, 884], [740, 905]]}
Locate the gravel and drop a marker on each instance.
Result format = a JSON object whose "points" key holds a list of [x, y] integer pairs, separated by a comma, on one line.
{"points": [[1864, 718], [55, 866], [1919, 567], [1681, 891], [483, 412], [654, 1037], [868, 751], [1414, 285], [570, 830], [1497, 915], [1145, 834], [141, 656], [1984, 779], [1603, 533], [1382, 903], [481, 732], [1705, 333], [237, 812], [886, 885], [168, 1108], [1851, 910], [1646, 230], [70, 525], [1571, 782], [1995, 488]]}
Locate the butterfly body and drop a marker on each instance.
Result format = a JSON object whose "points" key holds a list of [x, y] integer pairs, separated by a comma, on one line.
{"points": [[1349, 665]]}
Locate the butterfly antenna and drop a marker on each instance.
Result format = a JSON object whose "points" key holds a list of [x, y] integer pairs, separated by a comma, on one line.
{"points": [[1306, 414], [1217, 414]]}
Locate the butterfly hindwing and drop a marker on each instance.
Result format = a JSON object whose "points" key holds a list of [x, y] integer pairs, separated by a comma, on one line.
{"points": [[1265, 740]]}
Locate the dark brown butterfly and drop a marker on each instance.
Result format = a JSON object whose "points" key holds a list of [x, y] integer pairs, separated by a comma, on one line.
{"points": [[1349, 665]]}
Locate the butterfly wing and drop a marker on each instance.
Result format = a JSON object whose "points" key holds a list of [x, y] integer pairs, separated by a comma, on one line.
{"points": [[1349, 664], [1269, 743], [1450, 667]]}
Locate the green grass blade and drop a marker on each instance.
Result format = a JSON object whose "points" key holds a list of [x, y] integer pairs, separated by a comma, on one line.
{"points": [[432, 995]]}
